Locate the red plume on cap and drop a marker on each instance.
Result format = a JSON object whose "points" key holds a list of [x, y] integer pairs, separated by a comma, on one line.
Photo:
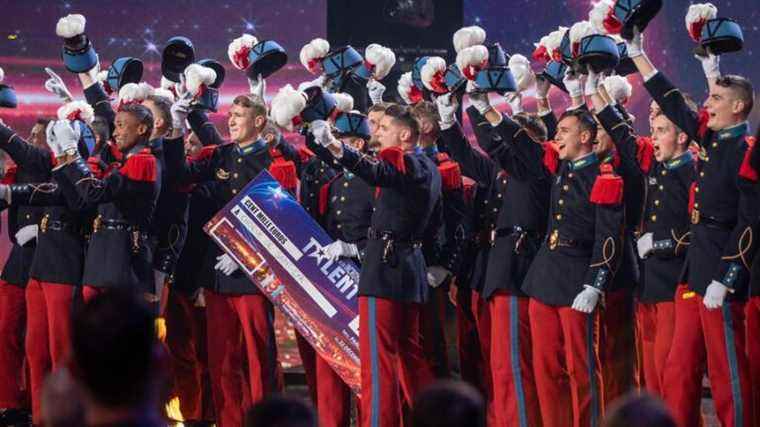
{"points": [[644, 153], [551, 157], [602, 17], [696, 18], [432, 74]]}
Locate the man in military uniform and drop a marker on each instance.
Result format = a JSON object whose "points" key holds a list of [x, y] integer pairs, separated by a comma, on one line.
{"points": [[238, 313], [664, 240], [57, 266], [520, 227], [491, 184], [569, 274], [725, 210], [393, 282], [444, 240], [344, 209], [22, 233]]}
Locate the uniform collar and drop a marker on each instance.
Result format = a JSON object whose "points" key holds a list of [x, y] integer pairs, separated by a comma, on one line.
{"points": [[682, 160], [431, 151], [257, 146], [587, 160], [138, 148], [733, 132]]}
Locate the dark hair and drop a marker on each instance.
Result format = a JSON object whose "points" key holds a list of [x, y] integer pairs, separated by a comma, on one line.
{"points": [[43, 121], [403, 116], [428, 111], [112, 341], [742, 87], [281, 411], [585, 119], [449, 404], [164, 105], [638, 411], [532, 124], [142, 114], [101, 128], [381, 107]]}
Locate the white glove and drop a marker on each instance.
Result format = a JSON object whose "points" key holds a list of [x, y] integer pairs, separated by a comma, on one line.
{"points": [[376, 91], [586, 301], [322, 134], [636, 44], [55, 85], [591, 86], [573, 84], [710, 65], [341, 249], [436, 275], [447, 110], [480, 101], [542, 87], [645, 245], [5, 192], [180, 109], [258, 86], [51, 140], [226, 264], [25, 234], [66, 137], [715, 295], [514, 99]]}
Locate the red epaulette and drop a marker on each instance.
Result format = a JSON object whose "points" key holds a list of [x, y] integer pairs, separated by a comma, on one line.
{"points": [[394, 156], [451, 175], [10, 175], [702, 118], [692, 194], [644, 153], [608, 187], [140, 167], [469, 186], [305, 154], [747, 171], [96, 167], [284, 171], [551, 157]]}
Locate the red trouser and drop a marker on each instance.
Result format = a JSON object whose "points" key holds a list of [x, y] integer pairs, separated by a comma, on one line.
{"points": [[753, 353], [241, 329], [186, 341], [655, 323], [514, 387], [329, 393], [12, 317], [566, 365], [617, 343], [392, 359], [717, 338], [48, 333], [432, 322]]}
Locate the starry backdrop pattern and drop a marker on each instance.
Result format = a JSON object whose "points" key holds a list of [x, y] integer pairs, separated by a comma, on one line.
{"points": [[140, 28]]}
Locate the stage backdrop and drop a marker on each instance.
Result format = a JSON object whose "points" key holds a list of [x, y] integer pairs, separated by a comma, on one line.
{"points": [[139, 28]]}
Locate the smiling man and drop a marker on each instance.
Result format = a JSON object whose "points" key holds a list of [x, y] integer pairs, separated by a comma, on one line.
{"points": [[238, 313], [724, 213]]}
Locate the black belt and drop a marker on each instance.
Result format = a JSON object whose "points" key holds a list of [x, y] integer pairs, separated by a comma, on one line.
{"points": [[554, 241], [373, 234], [391, 241], [711, 222], [46, 224]]}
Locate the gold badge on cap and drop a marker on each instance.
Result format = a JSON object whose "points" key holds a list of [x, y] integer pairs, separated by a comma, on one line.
{"points": [[695, 216]]}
